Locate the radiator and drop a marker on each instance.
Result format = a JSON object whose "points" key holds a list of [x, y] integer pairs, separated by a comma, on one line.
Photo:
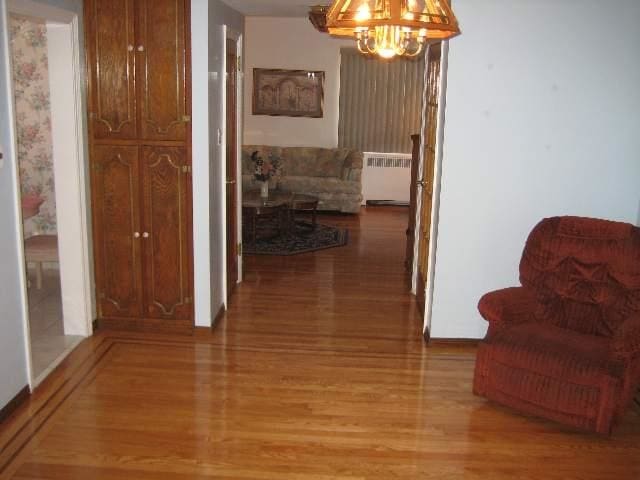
{"points": [[386, 177]]}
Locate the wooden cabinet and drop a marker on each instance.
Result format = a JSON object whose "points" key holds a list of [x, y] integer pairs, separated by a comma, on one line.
{"points": [[111, 62], [138, 64], [116, 219], [166, 223], [140, 153], [161, 69], [141, 232]]}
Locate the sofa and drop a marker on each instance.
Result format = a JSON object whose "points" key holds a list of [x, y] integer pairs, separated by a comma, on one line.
{"points": [[565, 345], [334, 175]]}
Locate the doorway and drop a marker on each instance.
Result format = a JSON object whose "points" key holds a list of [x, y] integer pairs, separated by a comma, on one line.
{"points": [[426, 186], [48, 124]]}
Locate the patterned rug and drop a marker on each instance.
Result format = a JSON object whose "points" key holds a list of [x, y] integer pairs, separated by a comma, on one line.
{"points": [[303, 239]]}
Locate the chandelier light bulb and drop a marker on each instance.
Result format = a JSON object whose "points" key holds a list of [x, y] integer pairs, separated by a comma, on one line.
{"points": [[363, 13]]}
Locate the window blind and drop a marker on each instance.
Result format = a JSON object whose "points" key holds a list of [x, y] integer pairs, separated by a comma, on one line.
{"points": [[380, 102]]}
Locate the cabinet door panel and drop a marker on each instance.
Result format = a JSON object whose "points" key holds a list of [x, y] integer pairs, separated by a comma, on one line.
{"points": [[162, 69], [116, 216], [166, 190], [110, 42]]}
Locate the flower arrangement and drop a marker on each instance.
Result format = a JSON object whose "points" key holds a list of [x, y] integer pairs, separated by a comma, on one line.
{"points": [[265, 169]]}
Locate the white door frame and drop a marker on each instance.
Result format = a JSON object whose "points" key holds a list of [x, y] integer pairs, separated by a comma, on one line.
{"points": [[69, 142], [73, 228]]}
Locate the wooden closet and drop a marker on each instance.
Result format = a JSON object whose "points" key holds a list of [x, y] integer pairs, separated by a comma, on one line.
{"points": [[139, 75]]}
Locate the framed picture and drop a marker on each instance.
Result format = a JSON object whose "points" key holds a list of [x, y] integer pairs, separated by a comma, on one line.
{"points": [[289, 93]]}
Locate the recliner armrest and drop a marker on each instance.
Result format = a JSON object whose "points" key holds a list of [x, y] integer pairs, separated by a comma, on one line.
{"points": [[352, 166], [626, 340], [508, 305]]}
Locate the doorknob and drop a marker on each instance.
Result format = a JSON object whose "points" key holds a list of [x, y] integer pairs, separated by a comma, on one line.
{"points": [[421, 183]]}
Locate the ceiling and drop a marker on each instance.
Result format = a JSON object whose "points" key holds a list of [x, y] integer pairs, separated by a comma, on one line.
{"points": [[274, 8]]}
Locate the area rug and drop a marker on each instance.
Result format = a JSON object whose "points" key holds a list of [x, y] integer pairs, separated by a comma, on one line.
{"points": [[303, 239]]}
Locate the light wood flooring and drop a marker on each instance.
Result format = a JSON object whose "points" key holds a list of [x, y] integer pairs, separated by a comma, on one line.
{"points": [[318, 371]]}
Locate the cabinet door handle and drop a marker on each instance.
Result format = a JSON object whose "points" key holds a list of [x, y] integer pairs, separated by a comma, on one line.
{"points": [[130, 48], [140, 48], [145, 234], [421, 183], [136, 234]]}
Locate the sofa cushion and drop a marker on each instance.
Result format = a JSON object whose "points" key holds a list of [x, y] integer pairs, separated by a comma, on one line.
{"points": [[311, 185], [312, 161]]}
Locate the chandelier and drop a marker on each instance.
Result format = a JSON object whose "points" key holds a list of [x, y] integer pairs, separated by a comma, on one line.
{"points": [[392, 27]]}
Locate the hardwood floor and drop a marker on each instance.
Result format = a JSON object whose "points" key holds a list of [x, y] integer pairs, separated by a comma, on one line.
{"points": [[318, 371]]}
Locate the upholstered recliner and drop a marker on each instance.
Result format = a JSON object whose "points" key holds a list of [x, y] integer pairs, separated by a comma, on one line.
{"points": [[566, 344]]}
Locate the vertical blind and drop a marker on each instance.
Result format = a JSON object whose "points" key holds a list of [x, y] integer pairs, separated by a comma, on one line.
{"points": [[380, 102]]}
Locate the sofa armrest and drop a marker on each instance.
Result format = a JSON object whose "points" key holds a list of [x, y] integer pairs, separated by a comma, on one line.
{"points": [[508, 305], [626, 340], [352, 166]]}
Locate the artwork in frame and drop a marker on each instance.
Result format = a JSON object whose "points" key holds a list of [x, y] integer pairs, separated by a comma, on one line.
{"points": [[290, 93]]}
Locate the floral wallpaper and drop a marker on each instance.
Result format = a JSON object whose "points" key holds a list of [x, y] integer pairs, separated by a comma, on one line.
{"points": [[28, 40]]}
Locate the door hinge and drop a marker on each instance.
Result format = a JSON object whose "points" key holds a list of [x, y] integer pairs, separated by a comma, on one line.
{"points": [[239, 250], [186, 168], [186, 118], [239, 64]]}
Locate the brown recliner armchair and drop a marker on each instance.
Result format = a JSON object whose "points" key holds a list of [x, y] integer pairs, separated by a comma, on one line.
{"points": [[566, 344]]}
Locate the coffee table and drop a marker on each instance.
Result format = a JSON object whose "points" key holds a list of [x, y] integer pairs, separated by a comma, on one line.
{"points": [[277, 205], [304, 203]]}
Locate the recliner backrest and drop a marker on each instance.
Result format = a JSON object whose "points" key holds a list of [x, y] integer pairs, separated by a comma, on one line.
{"points": [[586, 272]]}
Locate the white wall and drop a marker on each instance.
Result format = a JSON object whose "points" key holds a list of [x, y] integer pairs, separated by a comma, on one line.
{"points": [[207, 50], [542, 119], [13, 356], [292, 44], [200, 161], [13, 347]]}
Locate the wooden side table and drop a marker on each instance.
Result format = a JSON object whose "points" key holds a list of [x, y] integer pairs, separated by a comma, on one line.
{"points": [[39, 249]]}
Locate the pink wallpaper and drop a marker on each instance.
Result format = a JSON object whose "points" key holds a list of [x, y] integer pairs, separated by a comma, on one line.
{"points": [[28, 40]]}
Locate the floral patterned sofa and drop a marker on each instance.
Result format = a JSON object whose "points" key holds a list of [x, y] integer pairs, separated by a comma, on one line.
{"points": [[334, 175]]}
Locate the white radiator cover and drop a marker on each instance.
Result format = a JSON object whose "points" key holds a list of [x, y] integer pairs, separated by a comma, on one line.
{"points": [[386, 176]]}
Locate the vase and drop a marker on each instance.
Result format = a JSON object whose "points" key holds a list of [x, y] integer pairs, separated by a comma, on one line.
{"points": [[264, 189]]}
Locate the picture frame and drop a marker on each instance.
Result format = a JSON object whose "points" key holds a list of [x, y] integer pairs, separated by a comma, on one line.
{"points": [[289, 93]]}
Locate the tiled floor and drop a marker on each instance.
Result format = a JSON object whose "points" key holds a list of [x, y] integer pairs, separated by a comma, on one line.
{"points": [[48, 341]]}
